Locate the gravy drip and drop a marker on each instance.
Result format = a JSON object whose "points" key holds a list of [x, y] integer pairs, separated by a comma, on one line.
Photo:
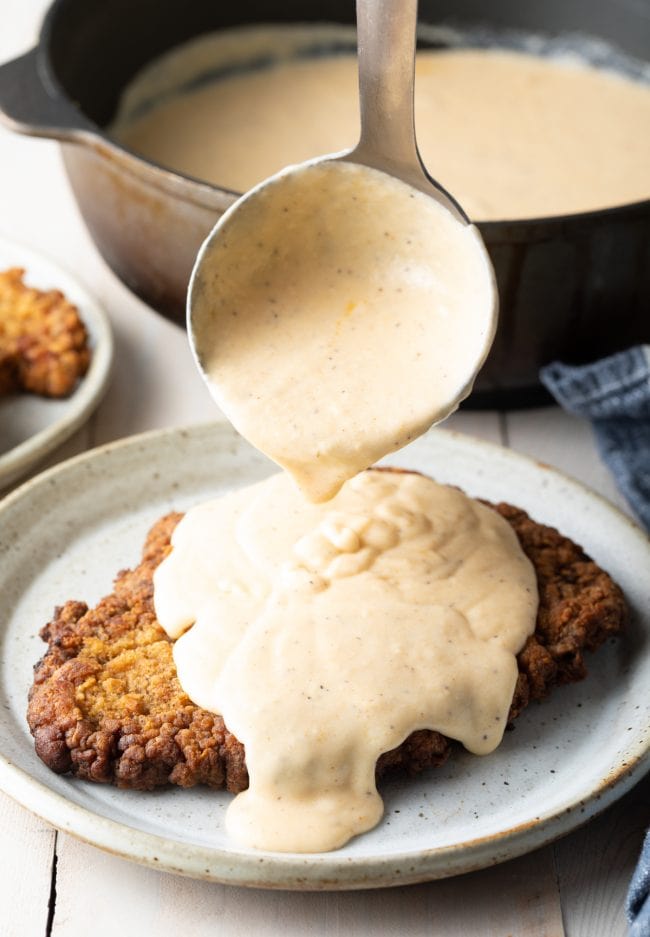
{"points": [[354, 306], [325, 634]]}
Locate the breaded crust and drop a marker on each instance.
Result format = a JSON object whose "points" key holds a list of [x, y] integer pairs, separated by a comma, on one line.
{"points": [[106, 704], [43, 342]]}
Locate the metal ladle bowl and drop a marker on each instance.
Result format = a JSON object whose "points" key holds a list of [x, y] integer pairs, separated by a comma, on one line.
{"points": [[386, 31]]}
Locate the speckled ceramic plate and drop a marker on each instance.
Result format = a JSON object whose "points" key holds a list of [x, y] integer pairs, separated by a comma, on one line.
{"points": [[64, 534], [31, 426]]}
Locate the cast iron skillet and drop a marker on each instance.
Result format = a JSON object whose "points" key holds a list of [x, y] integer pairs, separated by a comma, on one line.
{"points": [[574, 287]]}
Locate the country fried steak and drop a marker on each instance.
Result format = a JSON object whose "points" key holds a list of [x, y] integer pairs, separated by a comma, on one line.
{"points": [[43, 342], [106, 704]]}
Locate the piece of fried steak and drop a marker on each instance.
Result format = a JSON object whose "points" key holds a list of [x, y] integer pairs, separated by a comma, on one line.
{"points": [[43, 342], [106, 704]]}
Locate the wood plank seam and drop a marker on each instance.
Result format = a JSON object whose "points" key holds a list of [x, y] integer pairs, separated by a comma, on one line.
{"points": [[556, 876], [92, 427], [503, 429], [51, 905]]}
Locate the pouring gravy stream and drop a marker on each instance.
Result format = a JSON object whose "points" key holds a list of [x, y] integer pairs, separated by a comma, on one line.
{"points": [[325, 629], [336, 313]]}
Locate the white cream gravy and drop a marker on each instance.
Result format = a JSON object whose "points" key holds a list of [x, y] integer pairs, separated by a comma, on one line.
{"points": [[511, 135], [338, 315], [326, 634]]}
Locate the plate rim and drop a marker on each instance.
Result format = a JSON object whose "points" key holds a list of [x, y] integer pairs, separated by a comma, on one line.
{"points": [[323, 871], [89, 391]]}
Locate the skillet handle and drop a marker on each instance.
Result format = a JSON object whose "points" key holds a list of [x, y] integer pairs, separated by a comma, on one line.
{"points": [[30, 105]]}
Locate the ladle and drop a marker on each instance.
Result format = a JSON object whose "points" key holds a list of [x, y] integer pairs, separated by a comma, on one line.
{"points": [[386, 49]]}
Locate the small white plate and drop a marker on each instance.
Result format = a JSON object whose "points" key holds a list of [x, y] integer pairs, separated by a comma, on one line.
{"points": [[31, 426], [65, 534]]}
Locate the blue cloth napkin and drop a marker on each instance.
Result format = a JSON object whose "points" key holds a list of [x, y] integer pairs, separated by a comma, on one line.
{"points": [[637, 905], [614, 394]]}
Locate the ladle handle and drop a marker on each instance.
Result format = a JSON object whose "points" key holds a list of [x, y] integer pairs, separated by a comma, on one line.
{"points": [[386, 39]]}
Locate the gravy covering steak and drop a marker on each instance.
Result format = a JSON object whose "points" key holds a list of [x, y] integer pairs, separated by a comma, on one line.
{"points": [[327, 634]]}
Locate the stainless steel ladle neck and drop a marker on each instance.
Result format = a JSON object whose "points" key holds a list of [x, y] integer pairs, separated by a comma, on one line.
{"points": [[386, 40]]}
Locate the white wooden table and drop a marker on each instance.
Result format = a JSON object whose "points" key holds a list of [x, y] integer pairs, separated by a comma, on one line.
{"points": [[52, 884]]}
